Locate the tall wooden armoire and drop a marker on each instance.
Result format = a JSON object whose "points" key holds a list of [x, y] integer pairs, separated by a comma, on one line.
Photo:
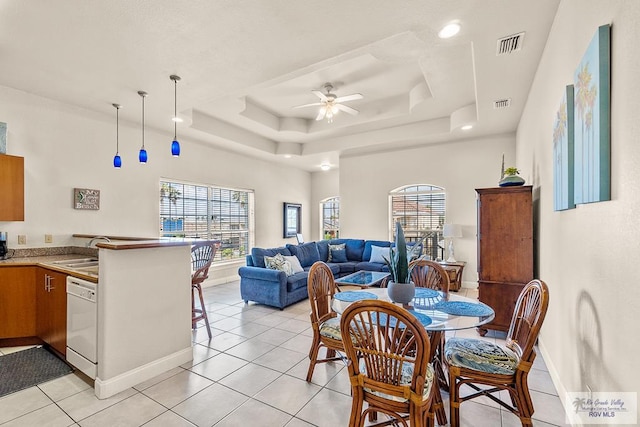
{"points": [[505, 249]]}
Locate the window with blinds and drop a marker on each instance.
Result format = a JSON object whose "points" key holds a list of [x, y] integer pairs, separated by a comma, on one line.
{"points": [[330, 218], [207, 212], [420, 209]]}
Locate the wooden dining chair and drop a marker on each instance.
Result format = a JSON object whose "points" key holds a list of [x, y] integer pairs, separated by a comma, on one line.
{"points": [[429, 274], [389, 368], [202, 254], [325, 323], [474, 361]]}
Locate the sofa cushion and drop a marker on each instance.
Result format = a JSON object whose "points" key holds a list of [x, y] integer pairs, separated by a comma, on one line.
{"points": [[307, 253], [354, 247], [295, 263], [345, 267], [297, 281], [258, 254], [338, 255], [338, 247], [379, 254], [323, 250], [371, 266], [366, 254]]}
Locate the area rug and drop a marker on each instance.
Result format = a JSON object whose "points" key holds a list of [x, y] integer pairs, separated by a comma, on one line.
{"points": [[26, 368]]}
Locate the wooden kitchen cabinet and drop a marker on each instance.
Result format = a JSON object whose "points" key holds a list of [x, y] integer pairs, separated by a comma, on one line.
{"points": [[505, 249], [17, 302], [51, 306], [11, 188]]}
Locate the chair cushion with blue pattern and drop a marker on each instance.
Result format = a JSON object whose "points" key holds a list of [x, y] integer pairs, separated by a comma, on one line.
{"points": [[480, 355], [407, 375], [331, 328]]}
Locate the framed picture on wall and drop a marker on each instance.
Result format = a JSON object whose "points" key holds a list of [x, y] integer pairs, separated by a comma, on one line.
{"points": [[563, 154], [592, 123], [292, 219]]}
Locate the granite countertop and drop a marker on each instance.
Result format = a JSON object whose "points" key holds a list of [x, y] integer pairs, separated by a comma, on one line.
{"points": [[48, 261]]}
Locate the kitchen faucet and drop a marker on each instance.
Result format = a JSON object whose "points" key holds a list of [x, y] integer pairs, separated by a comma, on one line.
{"points": [[98, 238]]}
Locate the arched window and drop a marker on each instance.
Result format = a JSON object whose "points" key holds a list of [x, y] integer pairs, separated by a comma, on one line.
{"points": [[420, 209], [330, 217]]}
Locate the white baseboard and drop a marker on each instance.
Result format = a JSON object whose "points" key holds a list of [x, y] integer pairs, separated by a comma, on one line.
{"points": [[107, 388]]}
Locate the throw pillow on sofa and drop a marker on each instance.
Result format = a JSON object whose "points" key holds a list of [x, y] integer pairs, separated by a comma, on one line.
{"points": [[378, 254], [340, 247], [338, 255], [278, 262], [295, 263]]}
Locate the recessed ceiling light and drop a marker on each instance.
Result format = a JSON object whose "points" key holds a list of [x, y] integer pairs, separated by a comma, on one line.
{"points": [[287, 156], [449, 30], [325, 166], [466, 127]]}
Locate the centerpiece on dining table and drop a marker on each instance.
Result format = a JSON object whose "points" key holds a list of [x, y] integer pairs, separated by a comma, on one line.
{"points": [[400, 288]]}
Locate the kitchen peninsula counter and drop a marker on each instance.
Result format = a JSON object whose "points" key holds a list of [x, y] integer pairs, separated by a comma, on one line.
{"points": [[144, 311]]}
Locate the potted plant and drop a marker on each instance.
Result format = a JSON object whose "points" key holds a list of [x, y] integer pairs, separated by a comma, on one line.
{"points": [[400, 288], [510, 178]]}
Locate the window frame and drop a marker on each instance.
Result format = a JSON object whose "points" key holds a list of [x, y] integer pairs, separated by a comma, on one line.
{"points": [[433, 236], [238, 237], [323, 235]]}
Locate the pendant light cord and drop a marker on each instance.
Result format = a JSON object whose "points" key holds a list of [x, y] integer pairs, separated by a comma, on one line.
{"points": [[175, 109], [142, 121], [117, 130]]}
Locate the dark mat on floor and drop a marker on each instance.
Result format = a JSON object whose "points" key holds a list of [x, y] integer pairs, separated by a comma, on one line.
{"points": [[26, 368]]}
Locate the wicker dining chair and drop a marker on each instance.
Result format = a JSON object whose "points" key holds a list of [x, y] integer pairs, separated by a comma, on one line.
{"points": [[389, 368], [324, 321], [474, 361], [429, 274], [202, 254]]}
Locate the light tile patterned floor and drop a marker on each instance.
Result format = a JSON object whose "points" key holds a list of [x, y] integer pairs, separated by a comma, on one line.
{"points": [[252, 373]]}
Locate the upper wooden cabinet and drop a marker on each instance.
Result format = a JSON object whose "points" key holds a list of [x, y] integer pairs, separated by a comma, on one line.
{"points": [[11, 188]]}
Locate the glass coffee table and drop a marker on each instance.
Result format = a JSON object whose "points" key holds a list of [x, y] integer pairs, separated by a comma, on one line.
{"points": [[362, 279]]}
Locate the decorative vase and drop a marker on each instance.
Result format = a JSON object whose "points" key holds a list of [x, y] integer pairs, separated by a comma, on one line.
{"points": [[401, 292], [511, 180]]}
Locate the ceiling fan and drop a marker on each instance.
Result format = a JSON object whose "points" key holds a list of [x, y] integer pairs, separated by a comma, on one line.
{"points": [[330, 104]]}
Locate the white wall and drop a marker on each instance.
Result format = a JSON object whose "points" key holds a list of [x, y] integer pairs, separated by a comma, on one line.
{"points": [[588, 255], [67, 147], [460, 168]]}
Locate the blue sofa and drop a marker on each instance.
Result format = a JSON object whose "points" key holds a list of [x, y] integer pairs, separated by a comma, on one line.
{"points": [[273, 287]]}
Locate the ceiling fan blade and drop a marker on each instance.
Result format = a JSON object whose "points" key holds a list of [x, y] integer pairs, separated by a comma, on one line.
{"points": [[321, 113], [352, 97], [309, 105], [320, 95], [346, 109]]}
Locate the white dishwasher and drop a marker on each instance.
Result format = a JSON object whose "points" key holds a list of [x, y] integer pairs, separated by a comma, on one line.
{"points": [[82, 319]]}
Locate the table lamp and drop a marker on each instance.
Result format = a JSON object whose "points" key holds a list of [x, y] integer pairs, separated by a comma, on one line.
{"points": [[449, 231]]}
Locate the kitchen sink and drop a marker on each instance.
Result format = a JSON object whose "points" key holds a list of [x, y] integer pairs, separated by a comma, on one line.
{"points": [[91, 269], [77, 263]]}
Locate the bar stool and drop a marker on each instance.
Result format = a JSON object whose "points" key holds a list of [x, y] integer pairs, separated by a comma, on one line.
{"points": [[202, 254]]}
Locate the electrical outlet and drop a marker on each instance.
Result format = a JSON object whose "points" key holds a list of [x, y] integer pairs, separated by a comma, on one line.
{"points": [[48, 238], [22, 239]]}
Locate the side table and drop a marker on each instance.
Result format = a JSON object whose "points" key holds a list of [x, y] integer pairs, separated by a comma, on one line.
{"points": [[454, 270]]}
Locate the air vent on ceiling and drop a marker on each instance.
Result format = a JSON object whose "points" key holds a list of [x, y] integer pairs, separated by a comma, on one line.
{"points": [[509, 44], [502, 103]]}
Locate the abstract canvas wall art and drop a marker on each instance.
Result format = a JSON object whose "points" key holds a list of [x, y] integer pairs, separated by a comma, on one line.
{"points": [[563, 154], [592, 125]]}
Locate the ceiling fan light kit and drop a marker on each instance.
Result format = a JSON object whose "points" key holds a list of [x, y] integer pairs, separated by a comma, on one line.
{"points": [[330, 104]]}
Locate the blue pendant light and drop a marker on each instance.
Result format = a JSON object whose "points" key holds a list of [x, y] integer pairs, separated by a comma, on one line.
{"points": [[175, 145], [142, 156], [117, 161]]}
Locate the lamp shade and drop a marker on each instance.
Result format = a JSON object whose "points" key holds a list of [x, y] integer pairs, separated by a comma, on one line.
{"points": [[452, 230]]}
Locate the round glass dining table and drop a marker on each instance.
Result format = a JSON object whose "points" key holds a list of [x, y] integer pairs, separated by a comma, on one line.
{"points": [[437, 313]]}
